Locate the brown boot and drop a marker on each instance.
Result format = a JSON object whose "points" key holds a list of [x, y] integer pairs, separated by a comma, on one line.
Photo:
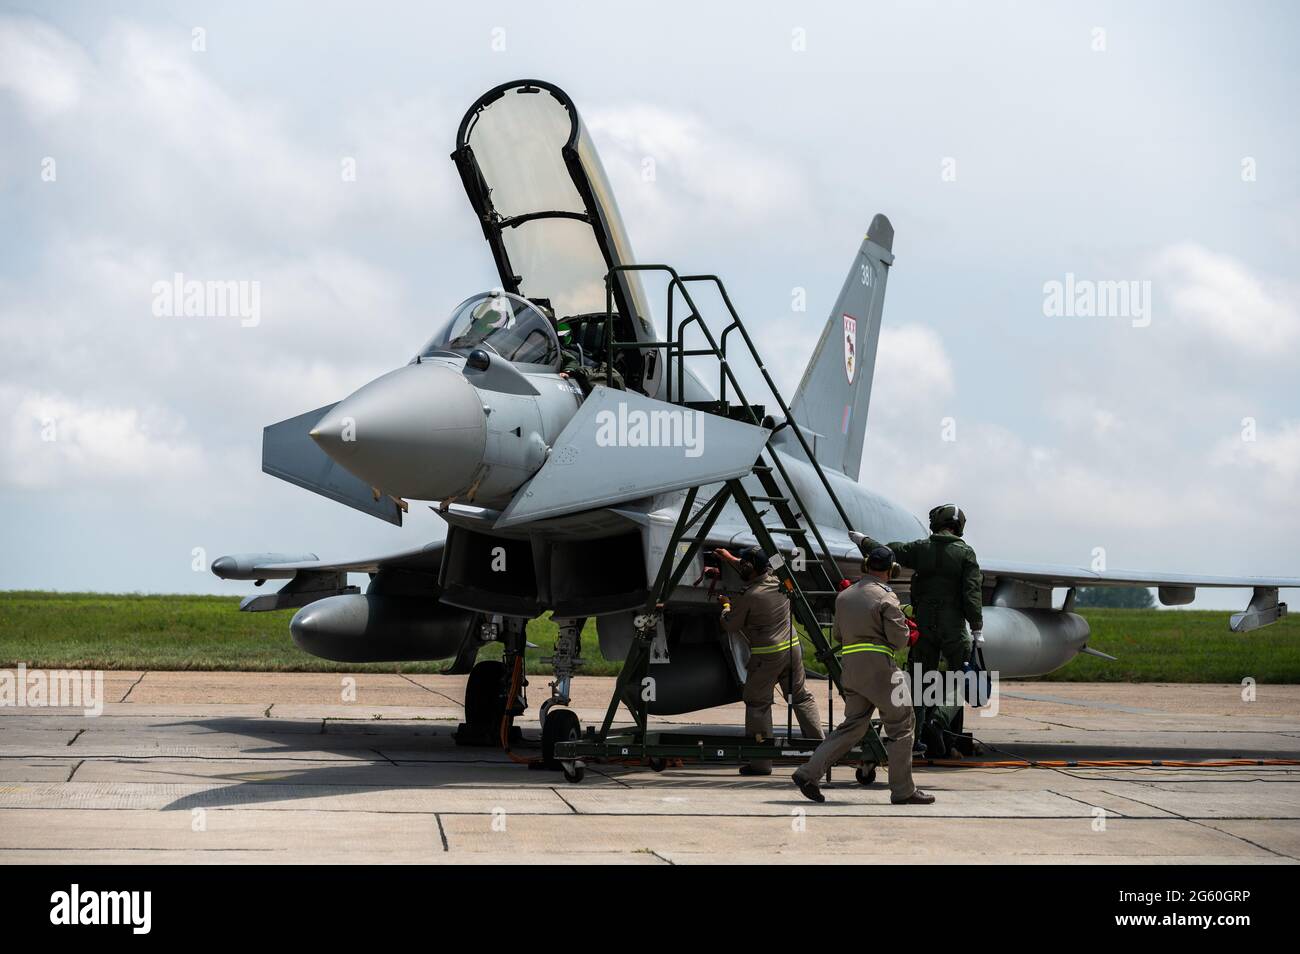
{"points": [[916, 798]]}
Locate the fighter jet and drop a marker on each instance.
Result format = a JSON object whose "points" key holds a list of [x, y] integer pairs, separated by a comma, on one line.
{"points": [[585, 467]]}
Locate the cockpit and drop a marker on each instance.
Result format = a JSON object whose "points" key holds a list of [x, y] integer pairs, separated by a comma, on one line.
{"points": [[510, 326]]}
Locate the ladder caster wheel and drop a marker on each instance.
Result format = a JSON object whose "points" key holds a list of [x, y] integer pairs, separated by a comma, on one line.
{"points": [[657, 764], [866, 774], [574, 772]]}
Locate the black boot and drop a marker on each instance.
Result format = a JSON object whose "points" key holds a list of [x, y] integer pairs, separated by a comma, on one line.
{"points": [[808, 789]]}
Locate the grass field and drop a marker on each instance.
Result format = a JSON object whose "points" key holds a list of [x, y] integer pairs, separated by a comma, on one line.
{"points": [[100, 631]]}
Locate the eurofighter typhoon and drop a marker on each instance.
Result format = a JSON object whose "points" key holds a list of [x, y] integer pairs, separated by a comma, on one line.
{"points": [[584, 468]]}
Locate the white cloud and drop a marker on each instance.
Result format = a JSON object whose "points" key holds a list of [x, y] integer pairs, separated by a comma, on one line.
{"points": [[1218, 298], [54, 442], [44, 70], [1274, 451], [87, 320], [1084, 413], [704, 177], [1101, 479], [226, 164], [911, 359]]}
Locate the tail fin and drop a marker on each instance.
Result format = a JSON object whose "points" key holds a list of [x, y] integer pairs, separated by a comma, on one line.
{"points": [[833, 397]]}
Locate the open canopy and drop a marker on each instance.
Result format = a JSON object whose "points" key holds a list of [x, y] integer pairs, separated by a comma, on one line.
{"points": [[538, 188]]}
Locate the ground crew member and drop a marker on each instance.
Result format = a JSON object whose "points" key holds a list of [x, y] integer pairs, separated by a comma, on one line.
{"points": [[762, 614], [869, 622], [946, 584]]}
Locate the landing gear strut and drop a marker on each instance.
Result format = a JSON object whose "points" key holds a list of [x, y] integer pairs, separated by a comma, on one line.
{"points": [[565, 661]]}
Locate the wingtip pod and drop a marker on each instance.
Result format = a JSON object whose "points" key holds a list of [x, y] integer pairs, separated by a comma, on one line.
{"points": [[258, 566]]}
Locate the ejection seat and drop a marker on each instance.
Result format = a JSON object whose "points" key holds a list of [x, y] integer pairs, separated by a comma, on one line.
{"points": [[588, 334]]}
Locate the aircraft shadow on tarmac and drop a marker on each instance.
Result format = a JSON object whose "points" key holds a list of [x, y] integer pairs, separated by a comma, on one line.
{"points": [[345, 756]]}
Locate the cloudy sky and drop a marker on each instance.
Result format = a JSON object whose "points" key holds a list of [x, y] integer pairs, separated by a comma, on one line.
{"points": [[1011, 144]]}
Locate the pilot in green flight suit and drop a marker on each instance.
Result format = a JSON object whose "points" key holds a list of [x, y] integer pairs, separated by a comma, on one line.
{"points": [[946, 585], [571, 365]]}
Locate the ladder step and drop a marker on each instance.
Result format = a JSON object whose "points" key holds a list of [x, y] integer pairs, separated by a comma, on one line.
{"points": [[785, 530], [771, 499]]}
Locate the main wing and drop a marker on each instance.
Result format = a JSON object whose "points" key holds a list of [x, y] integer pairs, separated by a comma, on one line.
{"points": [[1011, 581], [1048, 574]]}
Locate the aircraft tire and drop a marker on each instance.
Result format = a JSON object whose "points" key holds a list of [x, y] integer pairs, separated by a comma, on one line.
{"points": [[484, 702], [561, 725]]}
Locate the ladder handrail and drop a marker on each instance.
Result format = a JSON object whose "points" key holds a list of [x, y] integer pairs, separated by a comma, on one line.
{"points": [[675, 282], [678, 345], [738, 325]]}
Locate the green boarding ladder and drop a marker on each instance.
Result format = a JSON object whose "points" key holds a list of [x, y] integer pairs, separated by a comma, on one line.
{"points": [[821, 575]]}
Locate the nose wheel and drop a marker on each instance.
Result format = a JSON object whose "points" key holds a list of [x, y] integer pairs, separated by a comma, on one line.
{"points": [[561, 725]]}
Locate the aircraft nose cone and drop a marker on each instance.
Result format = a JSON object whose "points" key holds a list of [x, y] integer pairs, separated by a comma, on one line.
{"points": [[416, 432]]}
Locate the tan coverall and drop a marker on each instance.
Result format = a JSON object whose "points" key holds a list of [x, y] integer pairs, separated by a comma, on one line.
{"points": [[870, 624], [762, 614]]}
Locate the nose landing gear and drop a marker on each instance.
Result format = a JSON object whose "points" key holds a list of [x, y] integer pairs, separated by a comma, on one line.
{"points": [[560, 724], [564, 662]]}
